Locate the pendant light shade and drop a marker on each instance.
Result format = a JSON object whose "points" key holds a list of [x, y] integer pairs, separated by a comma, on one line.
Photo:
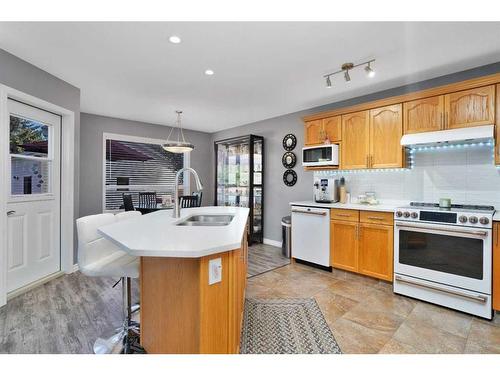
{"points": [[180, 145]]}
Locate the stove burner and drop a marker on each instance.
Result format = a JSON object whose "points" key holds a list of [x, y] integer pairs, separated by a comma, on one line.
{"points": [[471, 207]]}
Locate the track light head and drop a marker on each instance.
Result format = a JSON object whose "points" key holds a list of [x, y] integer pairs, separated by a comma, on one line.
{"points": [[369, 71], [328, 82], [347, 77]]}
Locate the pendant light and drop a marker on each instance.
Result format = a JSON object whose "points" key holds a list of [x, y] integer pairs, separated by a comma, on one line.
{"points": [[180, 145]]}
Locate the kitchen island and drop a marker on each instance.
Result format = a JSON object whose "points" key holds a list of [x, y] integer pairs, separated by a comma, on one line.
{"points": [[192, 277]]}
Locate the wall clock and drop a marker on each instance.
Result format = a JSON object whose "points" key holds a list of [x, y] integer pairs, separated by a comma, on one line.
{"points": [[289, 160], [289, 177], [289, 142]]}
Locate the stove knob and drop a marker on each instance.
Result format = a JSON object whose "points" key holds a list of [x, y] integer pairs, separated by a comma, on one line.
{"points": [[414, 215], [406, 214], [462, 219], [399, 213], [484, 220], [473, 220]]}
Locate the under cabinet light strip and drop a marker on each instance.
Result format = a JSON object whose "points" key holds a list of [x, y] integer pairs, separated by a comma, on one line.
{"points": [[452, 146]]}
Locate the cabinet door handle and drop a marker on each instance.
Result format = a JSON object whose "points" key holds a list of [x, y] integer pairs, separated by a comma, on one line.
{"points": [[446, 120], [441, 125], [9, 213], [371, 161], [367, 161]]}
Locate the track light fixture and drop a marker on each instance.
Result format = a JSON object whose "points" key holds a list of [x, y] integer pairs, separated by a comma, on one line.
{"points": [[346, 67], [328, 82], [369, 71]]}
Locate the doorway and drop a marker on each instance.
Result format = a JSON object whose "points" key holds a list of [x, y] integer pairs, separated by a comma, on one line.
{"points": [[33, 199]]}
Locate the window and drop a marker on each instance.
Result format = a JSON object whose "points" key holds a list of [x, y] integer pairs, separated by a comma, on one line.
{"points": [[30, 160], [134, 165]]}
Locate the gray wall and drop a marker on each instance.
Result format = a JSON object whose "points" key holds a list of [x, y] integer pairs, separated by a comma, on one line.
{"points": [[22, 76], [92, 129], [277, 195]]}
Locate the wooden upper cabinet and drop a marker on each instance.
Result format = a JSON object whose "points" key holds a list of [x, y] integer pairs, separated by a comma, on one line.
{"points": [[423, 115], [355, 140], [332, 128], [473, 107], [344, 245], [313, 129], [386, 130], [376, 250]]}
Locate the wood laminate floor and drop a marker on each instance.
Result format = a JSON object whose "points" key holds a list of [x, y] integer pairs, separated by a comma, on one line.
{"points": [[65, 315], [263, 258]]}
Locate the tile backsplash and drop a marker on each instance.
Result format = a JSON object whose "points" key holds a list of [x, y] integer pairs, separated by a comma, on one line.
{"points": [[464, 175]]}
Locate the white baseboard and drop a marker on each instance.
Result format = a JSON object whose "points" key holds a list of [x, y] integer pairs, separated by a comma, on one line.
{"points": [[268, 241]]}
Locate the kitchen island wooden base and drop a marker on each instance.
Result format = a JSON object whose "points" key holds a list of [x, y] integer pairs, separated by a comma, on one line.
{"points": [[182, 313]]}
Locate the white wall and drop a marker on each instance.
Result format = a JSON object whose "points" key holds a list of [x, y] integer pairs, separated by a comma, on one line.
{"points": [[464, 175]]}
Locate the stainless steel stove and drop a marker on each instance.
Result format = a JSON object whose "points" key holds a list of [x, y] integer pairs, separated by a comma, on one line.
{"points": [[444, 255]]}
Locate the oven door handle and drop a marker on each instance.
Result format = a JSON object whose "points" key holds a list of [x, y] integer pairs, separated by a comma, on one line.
{"points": [[452, 230], [474, 297]]}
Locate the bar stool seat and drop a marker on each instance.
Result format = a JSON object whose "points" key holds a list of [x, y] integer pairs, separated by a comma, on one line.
{"points": [[99, 257]]}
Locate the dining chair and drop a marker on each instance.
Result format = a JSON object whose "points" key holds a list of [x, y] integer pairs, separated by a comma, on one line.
{"points": [[127, 202], [199, 194], [147, 199], [187, 201]]}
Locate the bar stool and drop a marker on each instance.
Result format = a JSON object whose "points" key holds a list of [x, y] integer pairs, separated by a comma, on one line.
{"points": [[99, 257]]}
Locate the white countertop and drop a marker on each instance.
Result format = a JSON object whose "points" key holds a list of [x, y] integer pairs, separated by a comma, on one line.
{"points": [[384, 205], [156, 234], [496, 216]]}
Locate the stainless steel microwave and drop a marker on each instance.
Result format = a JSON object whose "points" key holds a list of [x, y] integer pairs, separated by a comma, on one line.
{"points": [[320, 155]]}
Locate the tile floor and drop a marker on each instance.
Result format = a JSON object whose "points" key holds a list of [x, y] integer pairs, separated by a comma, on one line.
{"points": [[366, 317], [263, 258]]}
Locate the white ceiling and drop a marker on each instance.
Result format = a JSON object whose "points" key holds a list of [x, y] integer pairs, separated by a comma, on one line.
{"points": [[262, 70]]}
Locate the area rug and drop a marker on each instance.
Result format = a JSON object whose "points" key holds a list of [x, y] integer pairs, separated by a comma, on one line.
{"points": [[286, 326]]}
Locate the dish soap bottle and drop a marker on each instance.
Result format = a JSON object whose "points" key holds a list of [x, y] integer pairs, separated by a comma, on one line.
{"points": [[342, 191]]}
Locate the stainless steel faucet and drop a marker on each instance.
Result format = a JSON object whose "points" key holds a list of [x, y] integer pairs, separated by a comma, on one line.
{"points": [[199, 186]]}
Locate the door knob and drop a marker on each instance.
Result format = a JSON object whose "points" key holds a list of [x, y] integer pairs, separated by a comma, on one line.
{"points": [[10, 213]]}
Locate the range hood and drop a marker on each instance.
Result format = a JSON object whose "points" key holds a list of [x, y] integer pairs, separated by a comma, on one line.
{"points": [[454, 136]]}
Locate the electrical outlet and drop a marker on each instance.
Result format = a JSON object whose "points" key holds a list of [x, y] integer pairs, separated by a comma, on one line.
{"points": [[214, 271]]}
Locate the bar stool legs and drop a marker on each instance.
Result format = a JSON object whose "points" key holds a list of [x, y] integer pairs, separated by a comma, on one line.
{"points": [[120, 341]]}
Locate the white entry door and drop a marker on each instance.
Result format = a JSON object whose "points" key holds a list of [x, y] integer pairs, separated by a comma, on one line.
{"points": [[33, 201]]}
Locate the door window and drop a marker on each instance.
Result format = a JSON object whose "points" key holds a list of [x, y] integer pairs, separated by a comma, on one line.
{"points": [[30, 156]]}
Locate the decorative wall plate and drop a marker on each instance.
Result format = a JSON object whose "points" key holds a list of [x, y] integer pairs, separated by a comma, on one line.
{"points": [[290, 177], [289, 142], [289, 160]]}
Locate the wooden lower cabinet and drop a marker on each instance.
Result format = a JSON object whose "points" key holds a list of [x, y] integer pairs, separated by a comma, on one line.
{"points": [[363, 246], [376, 244], [344, 245], [182, 314], [496, 266]]}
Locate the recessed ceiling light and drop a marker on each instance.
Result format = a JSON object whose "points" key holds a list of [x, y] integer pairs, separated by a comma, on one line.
{"points": [[209, 72], [174, 39]]}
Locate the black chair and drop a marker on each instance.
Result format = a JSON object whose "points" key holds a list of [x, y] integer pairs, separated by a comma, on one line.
{"points": [[127, 202], [199, 194], [147, 200], [187, 201]]}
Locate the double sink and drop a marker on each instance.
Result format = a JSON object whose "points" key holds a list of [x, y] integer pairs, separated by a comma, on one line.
{"points": [[206, 220]]}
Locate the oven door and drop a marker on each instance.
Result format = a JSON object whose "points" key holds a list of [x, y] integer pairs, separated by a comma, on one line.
{"points": [[455, 256]]}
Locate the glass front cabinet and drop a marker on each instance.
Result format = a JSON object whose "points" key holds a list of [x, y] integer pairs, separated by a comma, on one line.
{"points": [[239, 170]]}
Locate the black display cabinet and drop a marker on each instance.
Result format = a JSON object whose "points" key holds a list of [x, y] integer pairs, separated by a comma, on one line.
{"points": [[239, 178]]}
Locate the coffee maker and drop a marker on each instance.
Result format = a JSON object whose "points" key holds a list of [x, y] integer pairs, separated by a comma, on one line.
{"points": [[326, 189]]}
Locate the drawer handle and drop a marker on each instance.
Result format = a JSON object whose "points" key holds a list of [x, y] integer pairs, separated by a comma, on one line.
{"points": [[375, 218], [343, 215]]}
